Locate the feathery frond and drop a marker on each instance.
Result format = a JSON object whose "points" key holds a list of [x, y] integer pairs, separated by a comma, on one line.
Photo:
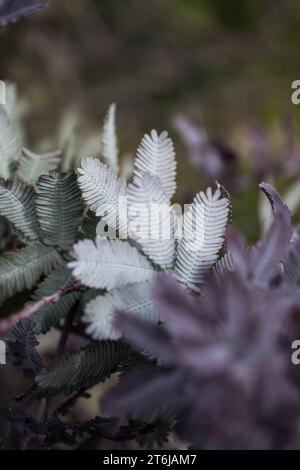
{"points": [[32, 165], [221, 269], [81, 370], [24, 351], [103, 191], [17, 204], [292, 263], [224, 263], [204, 227], [109, 139], [274, 198], [99, 314], [107, 264], [15, 108], [150, 212], [51, 315], [59, 208], [13, 10], [271, 250], [156, 155], [10, 147], [22, 269]]}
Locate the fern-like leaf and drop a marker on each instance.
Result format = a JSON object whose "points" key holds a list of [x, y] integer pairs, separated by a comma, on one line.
{"points": [[221, 269], [271, 250], [203, 236], [81, 370], [149, 209], [17, 204], [32, 165], [13, 10], [104, 192], [107, 264], [154, 435], [225, 263], [10, 147], [109, 139], [274, 198], [51, 315], [100, 312], [24, 352], [59, 208], [291, 273], [15, 108], [156, 156], [22, 269]]}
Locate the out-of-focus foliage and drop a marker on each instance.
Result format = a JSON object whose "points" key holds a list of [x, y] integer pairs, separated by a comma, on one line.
{"points": [[231, 60], [218, 357]]}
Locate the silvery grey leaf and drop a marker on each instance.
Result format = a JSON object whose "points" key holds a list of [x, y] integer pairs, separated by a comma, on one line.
{"points": [[107, 264], [156, 155]]}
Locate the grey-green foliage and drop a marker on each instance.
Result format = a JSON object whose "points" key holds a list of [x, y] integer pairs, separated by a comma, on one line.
{"points": [[156, 156], [112, 264], [102, 190], [10, 146], [81, 370], [59, 208], [146, 196], [136, 299], [107, 264], [50, 219], [23, 268], [14, 158], [109, 139], [202, 239], [17, 204], [32, 165], [44, 209], [51, 315]]}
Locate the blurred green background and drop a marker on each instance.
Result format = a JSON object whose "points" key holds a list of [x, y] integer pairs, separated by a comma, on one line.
{"points": [[232, 59], [224, 62]]}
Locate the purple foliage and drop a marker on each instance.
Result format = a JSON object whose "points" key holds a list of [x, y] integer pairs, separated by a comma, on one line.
{"points": [[223, 375], [13, 10], [214, 158]]}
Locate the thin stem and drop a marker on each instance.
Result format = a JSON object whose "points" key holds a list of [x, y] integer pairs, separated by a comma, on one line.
{"points": [[31, 308], [66, 330]]}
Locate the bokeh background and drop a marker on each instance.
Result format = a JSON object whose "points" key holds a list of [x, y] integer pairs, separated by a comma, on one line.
{"points": [[227, 65], [216, 74]]}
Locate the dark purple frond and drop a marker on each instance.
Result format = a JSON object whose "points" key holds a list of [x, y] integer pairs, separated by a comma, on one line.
{"points": [[274, 198], [13, 10], [266, 255]]}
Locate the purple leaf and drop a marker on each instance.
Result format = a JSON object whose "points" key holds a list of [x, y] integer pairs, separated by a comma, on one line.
{"points": [[144, 336], [236, 246], [13, 10], [274, 197], [266, 255], [202, 154]]}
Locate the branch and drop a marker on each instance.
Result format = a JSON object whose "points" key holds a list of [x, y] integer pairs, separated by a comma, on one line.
{"points": [[31, 308], [67, 325]]}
